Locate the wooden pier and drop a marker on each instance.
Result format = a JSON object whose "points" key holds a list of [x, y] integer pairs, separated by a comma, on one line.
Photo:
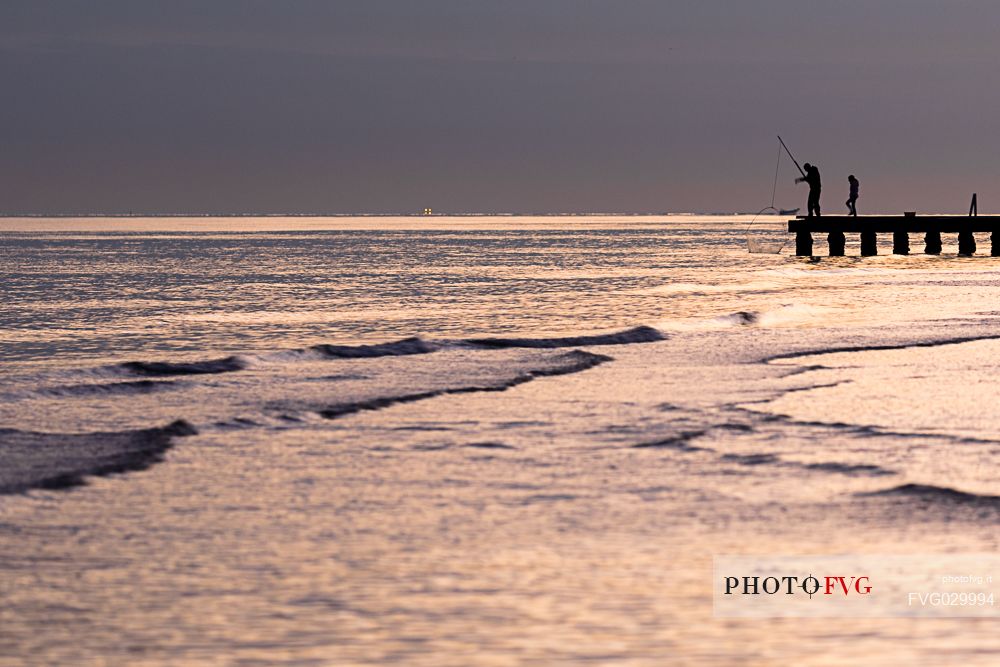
{"points": [[900, 226]]}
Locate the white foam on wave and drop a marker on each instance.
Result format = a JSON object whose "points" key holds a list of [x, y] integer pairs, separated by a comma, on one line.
{"points": [[784, 315], [705, 288], [796, 314], [812, 270]]}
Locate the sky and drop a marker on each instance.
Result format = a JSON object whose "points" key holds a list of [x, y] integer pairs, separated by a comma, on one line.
{"points": [[536, 106]]}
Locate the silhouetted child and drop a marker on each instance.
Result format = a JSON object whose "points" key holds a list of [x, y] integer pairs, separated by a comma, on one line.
{"points": [[853, 196]]}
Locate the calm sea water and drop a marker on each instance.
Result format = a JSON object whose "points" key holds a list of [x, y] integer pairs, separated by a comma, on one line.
{"points": [[474, 441]]}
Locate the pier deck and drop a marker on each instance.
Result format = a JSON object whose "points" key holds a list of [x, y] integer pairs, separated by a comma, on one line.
{"points": [[900, 226]]}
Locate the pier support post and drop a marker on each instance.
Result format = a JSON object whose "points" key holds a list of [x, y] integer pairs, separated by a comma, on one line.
{"points": [[803, 244], [966, 244], [868, 244], [836, 241], [932, 243], [900, 243], [995, 243]]}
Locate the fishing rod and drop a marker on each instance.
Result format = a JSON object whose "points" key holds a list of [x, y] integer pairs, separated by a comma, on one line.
{"points": [[792, 156]]}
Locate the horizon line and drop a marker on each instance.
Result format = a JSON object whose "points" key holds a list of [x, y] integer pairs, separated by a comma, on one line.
{"points": [[425, 215]]}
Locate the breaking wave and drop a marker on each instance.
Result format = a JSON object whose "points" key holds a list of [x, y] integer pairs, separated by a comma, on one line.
{"points": [[112, 389], [166, 368], [936, 494], [59, 460], [34, 460], [740, 318], [879, 347], [570, 362], [868, 469], [641, 334], [398, 348], [404, 347], [680, 442]]}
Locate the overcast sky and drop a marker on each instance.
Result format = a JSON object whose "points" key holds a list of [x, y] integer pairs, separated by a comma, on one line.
{"points": [[504, 105]]}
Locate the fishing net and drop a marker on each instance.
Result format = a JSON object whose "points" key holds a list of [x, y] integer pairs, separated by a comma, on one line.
{"points": [[764, 247], [766, 233]]}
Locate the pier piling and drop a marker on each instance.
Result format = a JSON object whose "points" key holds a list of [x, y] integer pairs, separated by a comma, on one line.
{"points": [[836, 242], [966, 244], [900, 243], [900, 226], [803, 244], [869, 246], [932, 243]]}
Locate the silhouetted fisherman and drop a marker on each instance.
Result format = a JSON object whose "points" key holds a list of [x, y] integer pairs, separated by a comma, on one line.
{"points": [[852, 198], [812, 178]]}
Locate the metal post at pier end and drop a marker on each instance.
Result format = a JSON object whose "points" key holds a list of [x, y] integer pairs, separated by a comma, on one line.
{"points": [[803, 243], [836, 242], [900, 243], [869, 247]]}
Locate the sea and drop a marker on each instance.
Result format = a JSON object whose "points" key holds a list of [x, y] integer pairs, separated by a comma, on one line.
{"points": [[464, 441]]}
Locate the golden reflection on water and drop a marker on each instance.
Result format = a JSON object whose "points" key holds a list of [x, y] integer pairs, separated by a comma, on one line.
{"points": [[566, 520]]}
